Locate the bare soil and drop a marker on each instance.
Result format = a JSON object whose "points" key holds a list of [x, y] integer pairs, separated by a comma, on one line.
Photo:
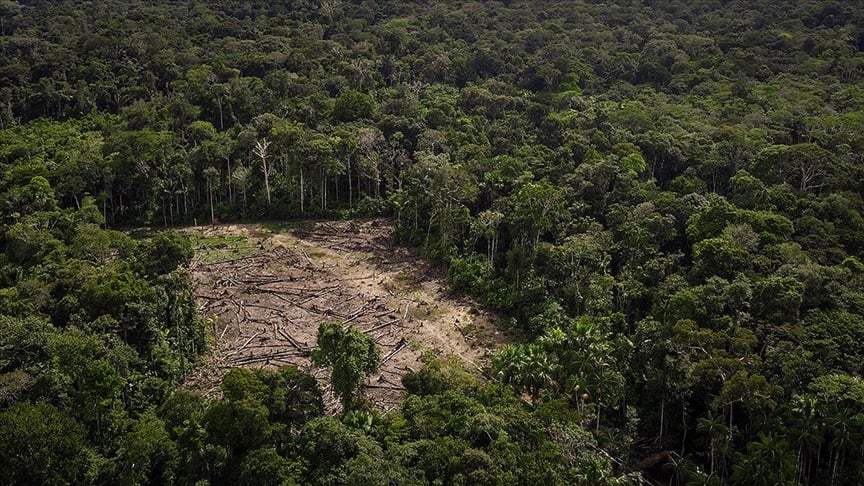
{"points": [[268, 289]]}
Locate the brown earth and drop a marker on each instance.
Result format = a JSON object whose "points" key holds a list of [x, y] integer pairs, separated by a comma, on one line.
{"points": [[268, 290]]}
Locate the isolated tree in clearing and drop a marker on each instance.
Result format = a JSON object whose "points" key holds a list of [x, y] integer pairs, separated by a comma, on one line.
{"points": [[351, 355]]}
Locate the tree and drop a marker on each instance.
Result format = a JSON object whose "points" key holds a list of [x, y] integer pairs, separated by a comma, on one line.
{"points": [[240, 425], [528, 368], [146, 454], [370, 145], [327, 444], [439, 192], [536, 208], [717, 435], [806, 166], [350, 353], [768, 462], [240, 180], [260, 150], [265, 467], [719, 256], [805, 428], [37, 195], [352, 105], [580, 261], [487, 225], [164, 253], [41, 445], [211, 174], [291, 396]]}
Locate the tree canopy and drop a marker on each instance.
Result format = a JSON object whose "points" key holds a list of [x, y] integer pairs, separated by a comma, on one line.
{"points": [[664, 197]]}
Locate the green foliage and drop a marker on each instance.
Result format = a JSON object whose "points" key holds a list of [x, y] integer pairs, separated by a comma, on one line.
{"points": [[720, 257], [165, 252], [634, 162], [526, 367], [664, 196], [350, 353], [37, 195], [290, 396], [147, 455], [237, 425], [439, 375], [353, 105], [266, 467], [470, 274], [806, 166], [42, 445]]}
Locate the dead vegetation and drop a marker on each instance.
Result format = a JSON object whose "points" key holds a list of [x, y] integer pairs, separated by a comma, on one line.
{"points": [[266, 304]]}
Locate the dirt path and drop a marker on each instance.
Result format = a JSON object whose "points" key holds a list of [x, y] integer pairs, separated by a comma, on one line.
{"points": [[268, 289]]}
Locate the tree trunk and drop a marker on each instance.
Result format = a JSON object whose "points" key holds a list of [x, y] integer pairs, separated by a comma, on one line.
{"points": [[210, 195], [230, 190], [662, 415], [684, 425], [266, 179], [221, 118]]}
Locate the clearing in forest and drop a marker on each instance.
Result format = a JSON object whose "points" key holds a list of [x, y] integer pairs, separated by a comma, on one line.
{"points": [[268, 288]]}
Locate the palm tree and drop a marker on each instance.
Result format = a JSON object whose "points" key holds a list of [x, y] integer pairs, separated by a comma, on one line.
{"points": [[584, 356], [840, 421], [768, 462], [527, 368], [806, 427], [717, 431], [684, 471]]}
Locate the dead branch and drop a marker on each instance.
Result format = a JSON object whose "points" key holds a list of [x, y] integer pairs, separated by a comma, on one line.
{"points": [[266, 307], [386, 387], [224, 330], [258, 358], [291, 340], [307, 258], [249, 341], [402, 345], [359, 311], [235, 260], [379, 326]]}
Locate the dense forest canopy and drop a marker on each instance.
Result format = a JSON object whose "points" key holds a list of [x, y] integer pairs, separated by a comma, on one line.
{"points": [[664, 196]]}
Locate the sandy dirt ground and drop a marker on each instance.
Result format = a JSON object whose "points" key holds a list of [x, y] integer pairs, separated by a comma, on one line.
{"points": [[267, 289]]}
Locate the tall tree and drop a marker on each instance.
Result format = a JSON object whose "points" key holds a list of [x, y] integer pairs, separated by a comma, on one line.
{"points": [[351, 354]]}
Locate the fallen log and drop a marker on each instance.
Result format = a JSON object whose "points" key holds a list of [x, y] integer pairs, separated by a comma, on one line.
{"points": [[358, 312], [386, 387], [291, 340], [379, 326], [235, 260], [402, 345], [307, 258], [258, 358], [249, 341]]}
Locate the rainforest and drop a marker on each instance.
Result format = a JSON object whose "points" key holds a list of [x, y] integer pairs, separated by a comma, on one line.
{"points": [[381, 242]]}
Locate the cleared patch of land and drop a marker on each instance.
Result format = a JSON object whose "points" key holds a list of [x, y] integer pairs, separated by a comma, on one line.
{"points": [[267, 289]]}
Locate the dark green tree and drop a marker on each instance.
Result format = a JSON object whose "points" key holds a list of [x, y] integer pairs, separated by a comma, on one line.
{"points": [[350, 354]]}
